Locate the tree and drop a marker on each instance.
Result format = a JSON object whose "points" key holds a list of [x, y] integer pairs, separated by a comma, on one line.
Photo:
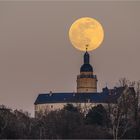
{"points": [[71, 107], [91, 132], [63, 123], [7, 121], [124, 113], [97, 115]]}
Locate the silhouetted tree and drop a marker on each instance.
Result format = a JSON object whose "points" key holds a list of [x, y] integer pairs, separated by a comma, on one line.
{"points": [[71, 107], [124, 114], [121, 120], [63, 123], [97, 115], [91, 132]]}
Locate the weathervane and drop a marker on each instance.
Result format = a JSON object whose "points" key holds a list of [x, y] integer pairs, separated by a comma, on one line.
{"points": [[87, 47]]}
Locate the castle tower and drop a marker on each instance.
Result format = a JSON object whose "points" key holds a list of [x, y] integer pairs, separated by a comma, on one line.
{"points": [[86, 81]]}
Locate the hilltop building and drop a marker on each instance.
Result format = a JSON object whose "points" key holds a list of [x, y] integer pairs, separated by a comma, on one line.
{"points": [[86, 81], [85, 97]]}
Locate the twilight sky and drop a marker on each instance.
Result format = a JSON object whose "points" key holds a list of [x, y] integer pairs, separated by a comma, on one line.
{"points": [[36, 55]]}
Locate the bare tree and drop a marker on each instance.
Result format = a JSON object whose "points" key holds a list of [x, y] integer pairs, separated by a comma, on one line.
{"points": [[124, 113]]}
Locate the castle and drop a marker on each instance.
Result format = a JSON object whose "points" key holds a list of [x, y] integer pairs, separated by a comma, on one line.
{"points": [[85, 97]]}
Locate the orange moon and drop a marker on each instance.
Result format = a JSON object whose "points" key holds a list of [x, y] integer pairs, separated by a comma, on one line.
{"points": [[86, 34]]}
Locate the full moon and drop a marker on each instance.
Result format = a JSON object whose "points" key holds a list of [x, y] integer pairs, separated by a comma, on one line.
{"points": [[86, 34]]}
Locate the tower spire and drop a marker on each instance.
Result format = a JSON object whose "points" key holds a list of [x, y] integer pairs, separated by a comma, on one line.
{"points": [[86, 58], [86, 81]]}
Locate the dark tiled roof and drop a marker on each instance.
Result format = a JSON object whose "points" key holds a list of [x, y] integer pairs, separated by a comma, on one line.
{"points": [[102, 97], [86, 68]]}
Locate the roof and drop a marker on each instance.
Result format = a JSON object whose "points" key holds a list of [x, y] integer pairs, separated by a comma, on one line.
{"points": [[102, 97], [86, 68]]}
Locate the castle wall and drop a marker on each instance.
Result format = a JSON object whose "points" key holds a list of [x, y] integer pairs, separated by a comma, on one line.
{"points": [[46, 108]]}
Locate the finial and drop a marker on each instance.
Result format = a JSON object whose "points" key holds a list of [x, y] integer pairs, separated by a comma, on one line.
{"points": [[86, 55], [87, 47]]}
